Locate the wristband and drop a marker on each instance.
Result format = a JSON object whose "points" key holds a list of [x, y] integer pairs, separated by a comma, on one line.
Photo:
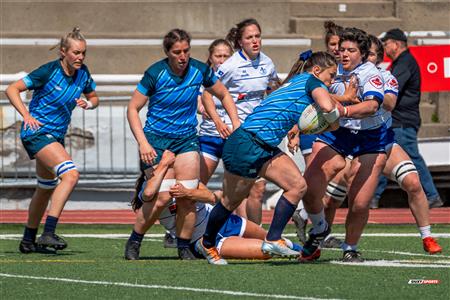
{"points": [[89, 104]]}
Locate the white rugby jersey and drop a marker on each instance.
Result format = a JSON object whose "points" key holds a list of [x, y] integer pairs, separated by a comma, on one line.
{"points": [[370, 83], [168, 216], [390, 87], [246, 80]]}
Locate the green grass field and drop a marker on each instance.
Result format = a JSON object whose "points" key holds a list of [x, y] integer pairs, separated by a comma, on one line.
{"points": [[94, 268]]}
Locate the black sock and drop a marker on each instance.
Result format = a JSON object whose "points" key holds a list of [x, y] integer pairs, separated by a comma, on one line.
{"points": [[183, 243], [283, 213], [217, 218], [50, 224], [137, 237], [29, 234]]}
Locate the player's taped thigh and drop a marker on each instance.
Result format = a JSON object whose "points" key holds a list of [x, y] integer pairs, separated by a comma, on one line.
{"points": [[63, 168], [336, 191], [189, 183], [47, 184], [401, 170]]}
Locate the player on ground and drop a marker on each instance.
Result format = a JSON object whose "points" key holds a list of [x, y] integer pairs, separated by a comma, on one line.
{"points": [[251, 152], [171, 88], [238, 238], [57, 87]]}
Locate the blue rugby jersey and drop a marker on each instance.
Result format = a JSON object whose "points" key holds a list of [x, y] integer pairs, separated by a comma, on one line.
{"points": [[275, 116], [172, 104], [54, 96]]}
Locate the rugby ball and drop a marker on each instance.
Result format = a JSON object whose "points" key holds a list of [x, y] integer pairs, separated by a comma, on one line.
{"points": [[312, 121]]}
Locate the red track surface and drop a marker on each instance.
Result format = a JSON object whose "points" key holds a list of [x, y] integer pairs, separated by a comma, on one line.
{"points": [[377, 216]]}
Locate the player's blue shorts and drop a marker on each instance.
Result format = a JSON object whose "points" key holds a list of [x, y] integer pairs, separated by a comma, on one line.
{"points": [[244, 154], [34, 143], [176, 145], [390, 139], [211, 146], [235, 226], [306, 143], [353, 143]]}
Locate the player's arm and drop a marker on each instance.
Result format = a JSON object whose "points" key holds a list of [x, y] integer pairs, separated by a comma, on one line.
{"points": [[13, 93], [91, 101], [293, 139], [362, 110], [350, 93], [146, 151], [332, 110], [389, 101], [154, 182], [221, 92], [201, 194], [210, 108]]}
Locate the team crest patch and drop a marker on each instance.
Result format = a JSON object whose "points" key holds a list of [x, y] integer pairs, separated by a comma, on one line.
{"points": [[393, 83], [376, 81]]}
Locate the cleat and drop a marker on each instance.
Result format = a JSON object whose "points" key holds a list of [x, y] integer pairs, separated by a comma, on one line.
{"points": [[51, 240], [132, 250], [352, 256], [436, 203], [278, 248], [211, 254], [311, 249], [169, 241], [300, 225], [27, 247], [431, 246], [332, 242], [186, 254]]}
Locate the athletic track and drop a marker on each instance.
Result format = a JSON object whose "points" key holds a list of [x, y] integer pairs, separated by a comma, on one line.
{"points": [[377, 216]]}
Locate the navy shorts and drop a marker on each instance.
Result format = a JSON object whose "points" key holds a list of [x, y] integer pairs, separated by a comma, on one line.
{"points": [[244, 154], [177, 145], [353, 143], [34, 143], [235, 226], [211, 146], [306, 142]]}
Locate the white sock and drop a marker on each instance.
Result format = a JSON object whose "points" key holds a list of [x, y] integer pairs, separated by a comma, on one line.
{"points": [[425, 231], [303, 214], [300, 205], [318, 222], [347, 247]]}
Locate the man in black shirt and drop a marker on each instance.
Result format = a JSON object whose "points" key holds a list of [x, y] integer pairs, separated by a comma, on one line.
{"points": [[406, 114]]}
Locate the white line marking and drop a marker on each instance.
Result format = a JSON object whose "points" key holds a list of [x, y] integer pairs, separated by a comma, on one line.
{"points": [[396, 253], [391, 263], [164, 287]]}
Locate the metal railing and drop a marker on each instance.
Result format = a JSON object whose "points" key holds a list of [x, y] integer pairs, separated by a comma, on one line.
{"points": [[99, 141]]}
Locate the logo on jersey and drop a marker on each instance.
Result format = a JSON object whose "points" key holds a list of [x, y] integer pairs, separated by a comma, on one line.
{"points": [[244, 73], [58, 88], [241, 97], [393, 83], [376, 81], [220, 73], [262, 70]]}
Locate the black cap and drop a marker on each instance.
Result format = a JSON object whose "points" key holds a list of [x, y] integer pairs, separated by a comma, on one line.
{"points": [[395, 34]]}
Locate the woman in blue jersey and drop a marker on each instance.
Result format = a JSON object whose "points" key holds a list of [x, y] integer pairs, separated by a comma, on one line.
{"points": [[248, 75], [251, 152], [362, 135], [171, 87], [399, 166], [57, 87]]}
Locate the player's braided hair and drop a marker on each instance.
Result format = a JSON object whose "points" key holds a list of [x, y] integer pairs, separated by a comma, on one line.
{"points": [[64, 42], [358, 36], [213, 46], [136, 203], [305, 62], [331, 29], [380, 49], [173, 36], [235, 33]]}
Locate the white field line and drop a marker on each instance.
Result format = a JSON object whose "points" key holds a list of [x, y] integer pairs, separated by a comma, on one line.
{"points": [[161, 287], [391, 263], [395, 253]]}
